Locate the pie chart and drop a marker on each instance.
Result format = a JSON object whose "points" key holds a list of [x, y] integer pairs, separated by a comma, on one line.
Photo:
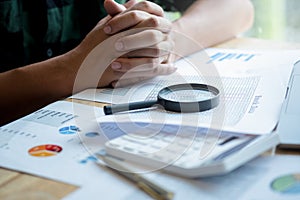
{"points": [[288, 184], [68, 130], [45, 150]]}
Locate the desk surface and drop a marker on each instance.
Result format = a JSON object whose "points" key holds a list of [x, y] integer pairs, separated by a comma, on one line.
{"points": [[16, 185]]}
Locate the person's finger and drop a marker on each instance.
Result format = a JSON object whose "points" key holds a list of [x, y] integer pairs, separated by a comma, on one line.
{"points": [[148, 7], [136, 14], [139, 40], [113, 8], [137, 19], [158, 50], [103, 21], [143, 64], [159, 23], [130, 3], [125, 21]]}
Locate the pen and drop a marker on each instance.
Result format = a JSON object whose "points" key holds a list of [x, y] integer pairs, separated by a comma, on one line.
{"points": [[151, 188]]}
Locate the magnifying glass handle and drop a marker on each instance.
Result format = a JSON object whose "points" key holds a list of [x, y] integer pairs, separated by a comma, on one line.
{"points": [[108, 110]]}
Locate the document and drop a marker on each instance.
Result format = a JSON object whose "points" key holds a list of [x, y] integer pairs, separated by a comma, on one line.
{"points": [[252, 83], [55, 142], [59, 142], [266, 177]]}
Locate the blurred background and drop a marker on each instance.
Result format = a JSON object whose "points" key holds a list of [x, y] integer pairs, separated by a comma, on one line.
{"points": [[276, 20]]}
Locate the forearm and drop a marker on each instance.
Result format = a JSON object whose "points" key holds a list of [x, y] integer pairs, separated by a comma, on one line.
{"points": [[89, 65], [28, 88], [209, 22]]}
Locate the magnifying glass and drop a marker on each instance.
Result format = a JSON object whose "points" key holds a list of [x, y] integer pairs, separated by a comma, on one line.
{"points": [[188, 97]]}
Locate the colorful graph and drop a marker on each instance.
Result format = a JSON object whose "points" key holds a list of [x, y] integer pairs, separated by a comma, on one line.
{"points": [[69, 130], [89, 158], [45, 150], [50, 117], [92, 134], [221, 56], [288, 184]]}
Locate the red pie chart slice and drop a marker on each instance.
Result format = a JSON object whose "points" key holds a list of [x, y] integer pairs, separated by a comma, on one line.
{"points": [[45, 150]]}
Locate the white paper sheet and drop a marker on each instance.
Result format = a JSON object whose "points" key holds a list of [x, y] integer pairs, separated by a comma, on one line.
{"points": [[70, 133], [252, 181], [58, 142], [252, 83], [55, 142]]}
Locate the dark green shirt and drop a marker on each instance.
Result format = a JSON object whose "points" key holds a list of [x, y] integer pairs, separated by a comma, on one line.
{"points": [[35, 30]]}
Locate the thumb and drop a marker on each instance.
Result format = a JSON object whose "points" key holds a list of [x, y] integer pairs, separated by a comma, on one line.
{"points": [[113, 8]]}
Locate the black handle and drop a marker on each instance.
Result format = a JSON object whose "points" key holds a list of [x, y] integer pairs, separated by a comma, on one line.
{"points": [[108, 110]]}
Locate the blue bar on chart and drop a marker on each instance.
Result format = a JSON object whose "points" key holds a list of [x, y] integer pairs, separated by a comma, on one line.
{"points": [[221, 56]]}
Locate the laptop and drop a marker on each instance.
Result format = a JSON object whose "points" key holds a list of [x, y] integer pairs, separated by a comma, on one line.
{"points": [[288, 127]]}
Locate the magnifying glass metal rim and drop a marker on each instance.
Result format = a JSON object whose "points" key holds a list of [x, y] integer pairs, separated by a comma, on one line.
{"points": [[195, 106], [175, 106]]}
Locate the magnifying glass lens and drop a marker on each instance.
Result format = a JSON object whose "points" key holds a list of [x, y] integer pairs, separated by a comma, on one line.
{"points": [[188, 95]]}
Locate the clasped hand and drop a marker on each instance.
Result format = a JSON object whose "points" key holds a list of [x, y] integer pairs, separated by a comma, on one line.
{"points": [[131, 44]]}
